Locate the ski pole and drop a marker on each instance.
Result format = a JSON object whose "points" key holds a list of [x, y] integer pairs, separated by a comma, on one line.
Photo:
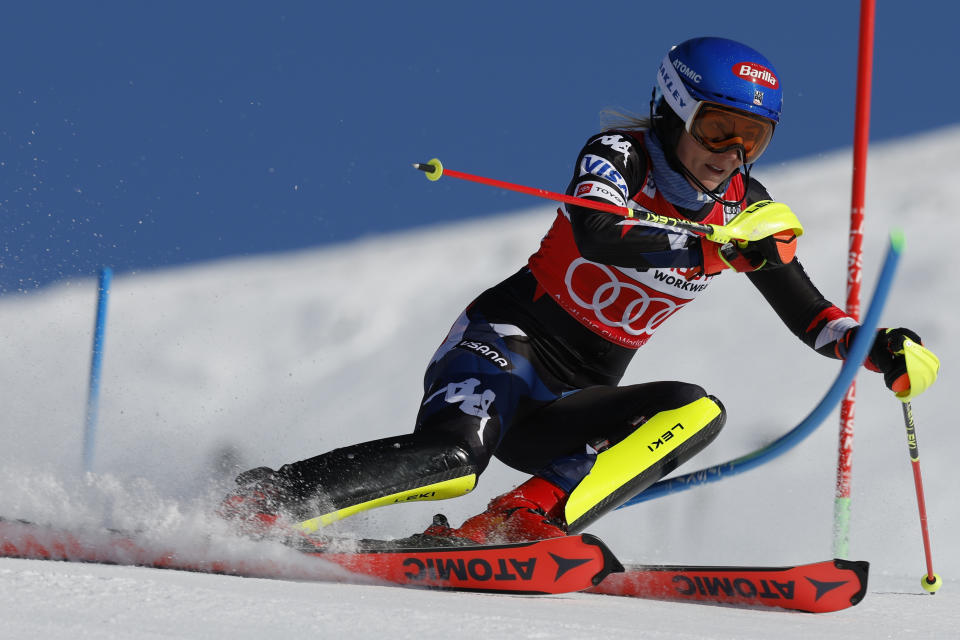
{"points": [[435, 170], [756, 222], [930, 582]]}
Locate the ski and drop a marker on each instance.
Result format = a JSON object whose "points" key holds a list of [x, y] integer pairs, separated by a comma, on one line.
{"points": [[555, 565], [820, 587], [558, 565]]}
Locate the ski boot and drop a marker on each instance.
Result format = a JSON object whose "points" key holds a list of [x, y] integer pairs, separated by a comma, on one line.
{"points": [[254, 506], [532, 511]]}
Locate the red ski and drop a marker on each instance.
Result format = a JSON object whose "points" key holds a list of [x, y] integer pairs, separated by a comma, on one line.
{"points": [[816, 588], [558, 565]]}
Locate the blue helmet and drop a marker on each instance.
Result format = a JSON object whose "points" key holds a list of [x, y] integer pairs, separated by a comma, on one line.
{"points": [[720, 71]]}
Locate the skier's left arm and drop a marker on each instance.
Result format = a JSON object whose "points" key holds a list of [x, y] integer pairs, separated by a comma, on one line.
{"points": [[907, 366]]}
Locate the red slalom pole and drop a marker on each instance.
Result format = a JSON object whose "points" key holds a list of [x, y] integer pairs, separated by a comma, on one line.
{"points": [[930, 582], [841, 505]]}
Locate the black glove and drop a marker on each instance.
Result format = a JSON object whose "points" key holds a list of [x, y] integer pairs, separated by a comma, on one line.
{"points": [[908, 369], [768, 253]]}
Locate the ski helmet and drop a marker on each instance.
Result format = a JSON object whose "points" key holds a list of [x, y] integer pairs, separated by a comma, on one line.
{"points": [[724, 93]]}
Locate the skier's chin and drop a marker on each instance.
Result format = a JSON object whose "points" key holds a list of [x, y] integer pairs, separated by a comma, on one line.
{"points": [[712, 177]]}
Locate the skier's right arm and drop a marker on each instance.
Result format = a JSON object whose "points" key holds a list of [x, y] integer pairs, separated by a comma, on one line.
{"points": [[611, 168]]}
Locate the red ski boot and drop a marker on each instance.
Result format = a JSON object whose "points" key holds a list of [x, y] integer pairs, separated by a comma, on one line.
{"points": [[532, 511], [254, 505]]}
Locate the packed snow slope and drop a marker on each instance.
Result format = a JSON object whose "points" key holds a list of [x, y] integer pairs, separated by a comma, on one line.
{"points": [[211, 369]]}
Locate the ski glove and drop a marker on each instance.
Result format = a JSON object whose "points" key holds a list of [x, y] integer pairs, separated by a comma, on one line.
{"points": [[908, 367], [768, 253], [744, 256], [765, 236]]}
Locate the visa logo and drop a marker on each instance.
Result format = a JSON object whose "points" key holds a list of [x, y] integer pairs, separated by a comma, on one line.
{"points": [[597, 166]]}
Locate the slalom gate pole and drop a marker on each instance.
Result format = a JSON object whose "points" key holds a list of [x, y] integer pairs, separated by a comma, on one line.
{"points": [[96, 362], [841, 504], [930, 582]]}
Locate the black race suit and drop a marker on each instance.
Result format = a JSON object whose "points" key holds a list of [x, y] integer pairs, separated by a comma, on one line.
{"points": [[529, 372]]}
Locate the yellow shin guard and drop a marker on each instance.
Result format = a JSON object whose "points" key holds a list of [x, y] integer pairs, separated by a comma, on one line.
{"points": [[656, 448]]}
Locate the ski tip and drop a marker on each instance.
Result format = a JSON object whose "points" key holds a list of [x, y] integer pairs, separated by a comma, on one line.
{"points": [[861, 569], [610, 562], [897, 240]]}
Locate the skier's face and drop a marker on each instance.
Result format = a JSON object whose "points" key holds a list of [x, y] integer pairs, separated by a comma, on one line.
{"points": [[711, 169]]}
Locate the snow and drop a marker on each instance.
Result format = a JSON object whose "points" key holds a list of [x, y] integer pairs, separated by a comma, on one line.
{"points": [[269, 359]]}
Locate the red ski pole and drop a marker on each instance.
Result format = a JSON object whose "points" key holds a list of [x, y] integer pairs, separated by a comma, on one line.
{"points": [[751, 224], [930, 582], [434, 170]]}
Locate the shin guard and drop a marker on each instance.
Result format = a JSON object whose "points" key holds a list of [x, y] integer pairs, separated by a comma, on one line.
{"points": [[656, 448], [346, 481]]}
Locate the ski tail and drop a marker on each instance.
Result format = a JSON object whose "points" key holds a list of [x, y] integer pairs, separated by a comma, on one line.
{"points": [[556, 565], [820, 587]]}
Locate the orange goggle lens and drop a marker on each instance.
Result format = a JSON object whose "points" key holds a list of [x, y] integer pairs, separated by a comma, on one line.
{"points": [[721, 129]]}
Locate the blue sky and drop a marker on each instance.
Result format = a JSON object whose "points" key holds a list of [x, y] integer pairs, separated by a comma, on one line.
{"points": [[140, 135]]}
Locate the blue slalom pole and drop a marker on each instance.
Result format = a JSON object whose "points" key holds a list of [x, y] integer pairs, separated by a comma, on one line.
{"points": [[96, 364], [851, 366]]}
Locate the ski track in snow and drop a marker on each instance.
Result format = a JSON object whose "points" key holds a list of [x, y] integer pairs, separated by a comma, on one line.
{"points": [[238, 363]]}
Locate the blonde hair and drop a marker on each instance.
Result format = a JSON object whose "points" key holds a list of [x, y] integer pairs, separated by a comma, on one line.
{"points": [[614, 119]]}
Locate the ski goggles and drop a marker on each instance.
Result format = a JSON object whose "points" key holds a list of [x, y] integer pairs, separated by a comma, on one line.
{"points": [[719, 129]]}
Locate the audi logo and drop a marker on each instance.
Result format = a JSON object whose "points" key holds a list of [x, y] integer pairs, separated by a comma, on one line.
{"points": [[639, 313]]}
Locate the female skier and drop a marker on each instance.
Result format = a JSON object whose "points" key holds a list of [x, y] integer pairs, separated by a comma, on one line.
{"points": [[529, 372]]}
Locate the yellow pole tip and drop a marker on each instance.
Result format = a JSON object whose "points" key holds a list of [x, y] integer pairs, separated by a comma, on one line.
{"points": [[931, 586]]}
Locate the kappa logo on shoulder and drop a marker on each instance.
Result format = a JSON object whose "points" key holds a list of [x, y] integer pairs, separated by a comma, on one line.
{"points": [[618, 144]]}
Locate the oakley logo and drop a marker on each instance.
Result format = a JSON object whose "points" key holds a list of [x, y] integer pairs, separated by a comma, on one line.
{"points": [[756, 73], [672, 92]]}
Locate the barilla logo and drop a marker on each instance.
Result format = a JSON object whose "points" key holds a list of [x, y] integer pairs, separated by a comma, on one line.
{"points": [[757, 73]]}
